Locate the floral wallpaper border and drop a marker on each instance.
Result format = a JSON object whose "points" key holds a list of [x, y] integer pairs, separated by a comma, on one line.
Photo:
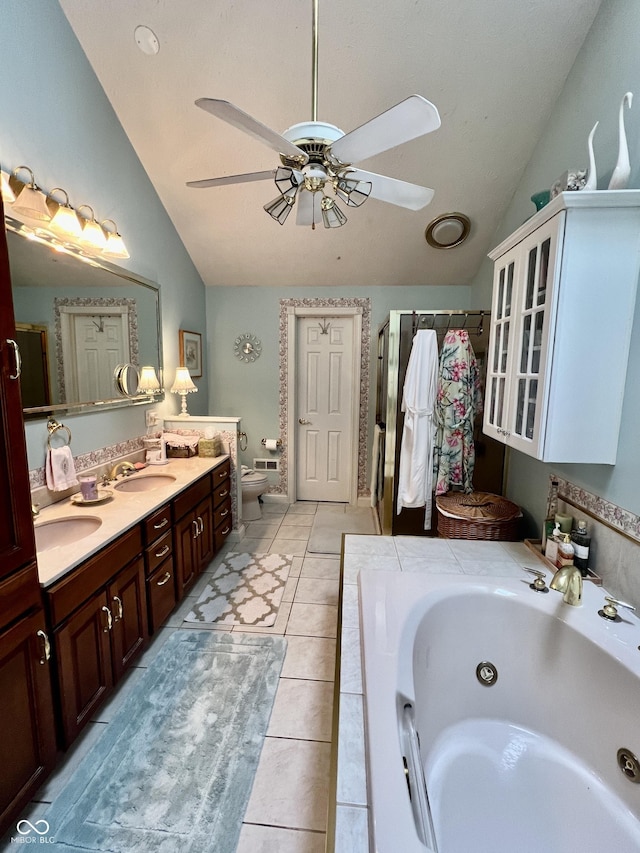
{"points": [[102, 456], [365, 348], [620, 519]]}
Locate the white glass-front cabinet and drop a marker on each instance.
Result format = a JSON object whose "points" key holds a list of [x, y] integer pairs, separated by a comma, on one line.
{"points": [[563, 301]]}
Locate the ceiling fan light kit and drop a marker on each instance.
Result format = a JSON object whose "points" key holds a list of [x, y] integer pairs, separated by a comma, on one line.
{"points": [[317, 158]]}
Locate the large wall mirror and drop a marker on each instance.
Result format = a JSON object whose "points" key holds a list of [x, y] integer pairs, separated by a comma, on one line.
{"points": [[79, 319]]}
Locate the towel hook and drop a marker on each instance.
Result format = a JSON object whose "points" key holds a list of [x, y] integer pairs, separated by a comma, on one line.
{"points": [[53, 426]]}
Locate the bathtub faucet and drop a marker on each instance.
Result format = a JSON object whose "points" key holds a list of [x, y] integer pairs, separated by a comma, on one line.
{"points": [[568, 581]]}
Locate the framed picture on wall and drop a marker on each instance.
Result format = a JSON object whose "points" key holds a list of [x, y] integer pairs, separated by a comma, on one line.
{"points": [[191, 352]]}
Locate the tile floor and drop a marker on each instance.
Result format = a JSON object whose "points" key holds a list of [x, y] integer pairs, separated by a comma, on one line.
{"points": [[288, 806]]}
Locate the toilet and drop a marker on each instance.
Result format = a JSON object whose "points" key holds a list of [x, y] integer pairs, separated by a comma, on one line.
{"points": [[254, 484]]}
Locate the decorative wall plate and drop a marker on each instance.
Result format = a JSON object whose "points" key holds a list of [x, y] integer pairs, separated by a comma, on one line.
{"points": [[247, 347]]}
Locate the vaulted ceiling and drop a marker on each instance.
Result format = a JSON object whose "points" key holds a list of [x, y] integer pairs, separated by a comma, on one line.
{"points": [[493, 69]]}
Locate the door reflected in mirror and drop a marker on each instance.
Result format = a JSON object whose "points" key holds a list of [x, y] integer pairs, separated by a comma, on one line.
{"points": [[79, 319]]}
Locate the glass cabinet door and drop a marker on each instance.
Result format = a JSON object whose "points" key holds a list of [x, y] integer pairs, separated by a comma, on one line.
{"points": [[497, 368], [532, 316]]}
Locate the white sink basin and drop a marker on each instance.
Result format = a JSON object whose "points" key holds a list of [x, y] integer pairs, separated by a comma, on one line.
{"points": [[64, 531], [144, 483]]}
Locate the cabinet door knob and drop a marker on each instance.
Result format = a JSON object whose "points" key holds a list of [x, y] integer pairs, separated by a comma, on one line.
{"points": [[46, 646], [164, 580], [118, 601], [109, 619]]}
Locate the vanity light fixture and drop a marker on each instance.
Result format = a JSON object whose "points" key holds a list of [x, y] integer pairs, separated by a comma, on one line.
{"points": [[148, 383], [30, 201], [8, 195], [92, 234], [183, 385], [115, 247], [65, 220]]}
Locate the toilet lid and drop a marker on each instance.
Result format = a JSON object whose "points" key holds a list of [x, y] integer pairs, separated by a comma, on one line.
{"points": [[254, 478]]}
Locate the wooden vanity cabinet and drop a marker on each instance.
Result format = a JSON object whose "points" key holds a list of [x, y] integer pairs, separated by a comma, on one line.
{"points": [[27, 742], [159, 567], [193, 533], [99, 614]]}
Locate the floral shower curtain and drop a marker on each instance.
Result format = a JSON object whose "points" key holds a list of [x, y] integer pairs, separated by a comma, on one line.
{"points": [[459, 399]]}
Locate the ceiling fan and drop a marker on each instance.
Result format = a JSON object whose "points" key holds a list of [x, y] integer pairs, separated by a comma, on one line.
{"points": [[317, 158]]}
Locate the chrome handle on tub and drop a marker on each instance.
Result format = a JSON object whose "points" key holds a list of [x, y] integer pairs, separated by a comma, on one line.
{"points": [[109, 619], [18, 357], [118, 601], [164, 580], [46, 646], [610, 610]]}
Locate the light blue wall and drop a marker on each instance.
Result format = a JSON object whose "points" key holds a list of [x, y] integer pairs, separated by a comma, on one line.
{"points": [[57, 120], [250, 391], [607, 66]]}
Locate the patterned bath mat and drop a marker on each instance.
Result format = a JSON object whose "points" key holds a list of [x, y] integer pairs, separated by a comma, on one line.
{"points": [[245, 589]]}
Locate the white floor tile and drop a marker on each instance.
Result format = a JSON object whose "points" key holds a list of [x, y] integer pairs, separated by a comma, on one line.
{"points": [[313, 620], [327, 568], [352, 830], [302, 710], [297, 547], [310, 657], [272, 839], [317, 591]]}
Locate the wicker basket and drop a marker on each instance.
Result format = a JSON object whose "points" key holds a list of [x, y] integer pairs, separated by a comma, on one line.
{"points": [[479, 515]]}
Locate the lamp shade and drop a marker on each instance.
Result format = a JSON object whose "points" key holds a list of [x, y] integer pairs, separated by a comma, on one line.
{"points": [[148, 383], [8, 195], [31, 202], [183, 384]]}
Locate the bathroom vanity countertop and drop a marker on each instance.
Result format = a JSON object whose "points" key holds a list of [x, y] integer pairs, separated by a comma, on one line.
{"points": [[119, 514]]}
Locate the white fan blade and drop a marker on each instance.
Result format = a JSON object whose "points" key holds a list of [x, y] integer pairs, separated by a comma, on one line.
{"points": [[243, 121], [308, 205], [400, 193], [232, 179], [409, 119]]}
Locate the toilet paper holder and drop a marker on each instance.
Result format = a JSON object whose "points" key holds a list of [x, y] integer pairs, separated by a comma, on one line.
{"points": [[278, 442]]}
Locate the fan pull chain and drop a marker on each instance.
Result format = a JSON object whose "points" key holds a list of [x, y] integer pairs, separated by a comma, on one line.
{"points": [[314, 65]]}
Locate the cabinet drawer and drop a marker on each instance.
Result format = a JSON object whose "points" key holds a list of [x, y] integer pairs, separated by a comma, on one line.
{"points": [[222, 514], [81, 583], [221, 491], [222, 472], [19, 593], [161, 594], [192, 496], [221, 534], [159, 551], [157, 524]]}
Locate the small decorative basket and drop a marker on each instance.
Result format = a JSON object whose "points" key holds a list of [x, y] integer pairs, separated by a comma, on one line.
{"points": [[478, 515]]}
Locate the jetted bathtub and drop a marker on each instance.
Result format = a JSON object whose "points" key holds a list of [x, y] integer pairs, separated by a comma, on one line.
{"points": [[513, 718]]}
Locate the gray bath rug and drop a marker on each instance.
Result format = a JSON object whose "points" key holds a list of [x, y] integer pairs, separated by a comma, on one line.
{"points": [[328, 527], [245, 589], [173, 770]]}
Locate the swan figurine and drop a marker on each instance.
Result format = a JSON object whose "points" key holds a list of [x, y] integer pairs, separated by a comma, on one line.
{"points": [[620, 176], [592, 180]]}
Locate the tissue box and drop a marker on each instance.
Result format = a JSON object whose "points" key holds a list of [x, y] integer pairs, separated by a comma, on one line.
{"points": [[210, 446]]}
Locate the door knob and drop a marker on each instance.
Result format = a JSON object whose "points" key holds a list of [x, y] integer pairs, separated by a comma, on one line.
{"points": [[304, 421]]}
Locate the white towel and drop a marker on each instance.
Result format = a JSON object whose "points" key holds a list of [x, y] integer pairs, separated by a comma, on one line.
{"points": [[415, 472], [60, 469]]}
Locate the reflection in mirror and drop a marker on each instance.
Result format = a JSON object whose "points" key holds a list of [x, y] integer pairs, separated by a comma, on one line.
{"points": [[78, 319], [126, 379]]}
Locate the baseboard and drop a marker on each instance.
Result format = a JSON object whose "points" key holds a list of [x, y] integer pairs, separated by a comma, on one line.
{"points": [[275, 499]]}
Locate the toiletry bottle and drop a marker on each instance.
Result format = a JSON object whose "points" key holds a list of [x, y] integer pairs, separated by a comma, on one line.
{"points": [[565, 551], [552, 508], [551, 548], [581, 543]]}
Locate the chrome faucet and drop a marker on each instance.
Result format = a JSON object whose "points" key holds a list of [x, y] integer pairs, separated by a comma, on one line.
{"points": [[568, 581], [125, 467]]}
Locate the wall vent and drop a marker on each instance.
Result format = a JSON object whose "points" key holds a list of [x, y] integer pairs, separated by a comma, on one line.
{"points": [[266, 464]]}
